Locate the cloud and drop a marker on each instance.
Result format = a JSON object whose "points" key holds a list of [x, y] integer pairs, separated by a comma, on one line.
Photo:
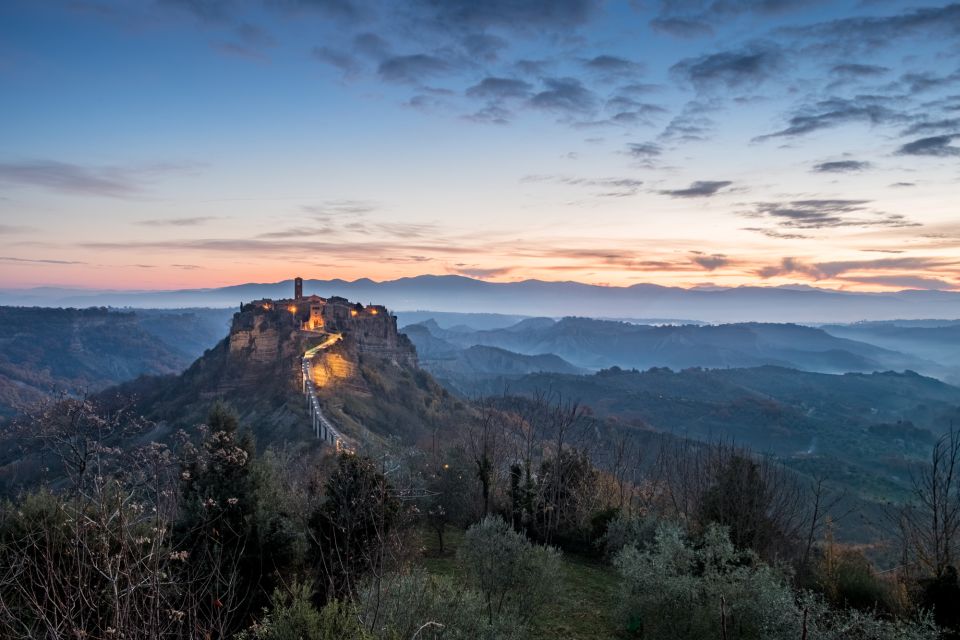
{"points": [[337, 209], [564, 95], [483, 273], [917, 82], [337, 59], [937, 146], [177, 222], [711, 262], [645, 150], [71, 178], [826, 214], [698, 189], [371, 46], [841, 166], [484, 46], [933, 126], [412, 69], [836, 111], [11, 229], [518, 15], [490, 114], [682, 27], [612, 66], [39, 260], [866, 32], [500, 88], [779, 235], [612, 187], [840, 269], [692, 123], [856, 70], [734, 69]]}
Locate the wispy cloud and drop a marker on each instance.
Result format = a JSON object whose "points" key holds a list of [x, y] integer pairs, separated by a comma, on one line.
{"points": [[698, 189], [39, 260], [841, 166], [178, 222], [937, 146], [112, 182], [826, 214]]}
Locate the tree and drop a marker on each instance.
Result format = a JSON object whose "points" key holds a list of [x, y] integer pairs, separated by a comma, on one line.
{"points": [[448, 486], [929, 525], [351, 530], [216, 530]]}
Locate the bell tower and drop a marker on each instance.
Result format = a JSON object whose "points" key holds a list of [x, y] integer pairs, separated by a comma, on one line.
{"points": [[298, 288]]}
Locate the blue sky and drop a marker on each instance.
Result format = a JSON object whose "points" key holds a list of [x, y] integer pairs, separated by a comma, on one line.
{"points": [[158, 144]]}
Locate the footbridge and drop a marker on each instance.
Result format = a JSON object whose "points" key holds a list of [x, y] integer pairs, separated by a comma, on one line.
{"points": [[322, 426]]}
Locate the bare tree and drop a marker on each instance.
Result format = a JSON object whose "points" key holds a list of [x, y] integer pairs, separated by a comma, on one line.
{"points": [[929, 525]]}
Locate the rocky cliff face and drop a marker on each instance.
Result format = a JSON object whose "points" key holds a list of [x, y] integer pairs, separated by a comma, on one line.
{"points": [[267, 340]]}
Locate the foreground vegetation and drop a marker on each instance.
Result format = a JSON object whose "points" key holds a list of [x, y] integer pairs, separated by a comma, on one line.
{"points": [[512, 530]]}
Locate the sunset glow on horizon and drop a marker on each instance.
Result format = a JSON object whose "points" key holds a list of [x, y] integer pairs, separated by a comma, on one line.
{"points": [[190, 144]]}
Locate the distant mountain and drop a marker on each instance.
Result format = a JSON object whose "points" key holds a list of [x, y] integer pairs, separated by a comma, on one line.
{"points": [[45, 352], [932, 340], [596, 344], [457, 294]]}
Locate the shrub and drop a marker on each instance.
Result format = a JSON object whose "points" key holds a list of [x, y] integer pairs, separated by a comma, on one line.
{"points": [[627, 531], [712, 590], [508, 570], [295, 618], [432, 607], [682, 590]]}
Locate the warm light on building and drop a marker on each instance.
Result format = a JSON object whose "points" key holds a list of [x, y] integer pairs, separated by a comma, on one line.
{"points": [[292, 309], [353, 313], [373, 312]]}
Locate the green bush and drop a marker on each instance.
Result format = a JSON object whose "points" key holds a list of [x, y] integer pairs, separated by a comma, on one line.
{"points": [[295, 618], [680, 589], [711, 590], [432, 607], [507, 569]]}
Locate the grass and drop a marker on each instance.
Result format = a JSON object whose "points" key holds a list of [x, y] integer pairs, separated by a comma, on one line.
{"points": [[586, 606]]}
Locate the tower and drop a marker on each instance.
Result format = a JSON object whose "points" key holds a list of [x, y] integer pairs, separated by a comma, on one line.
{"points": [[297, 288]]}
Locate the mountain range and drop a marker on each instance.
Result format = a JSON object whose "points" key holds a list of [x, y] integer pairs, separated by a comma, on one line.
{"points": [[593, 344], [460, 294]]}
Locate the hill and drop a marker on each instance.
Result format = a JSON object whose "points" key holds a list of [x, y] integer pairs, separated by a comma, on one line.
{"points": [[936, 341], [595, 344], [363, 370], [859, 430], [45, 352]]}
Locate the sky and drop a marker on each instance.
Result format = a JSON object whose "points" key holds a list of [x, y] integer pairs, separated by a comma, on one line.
{"points": [[164, 144]]}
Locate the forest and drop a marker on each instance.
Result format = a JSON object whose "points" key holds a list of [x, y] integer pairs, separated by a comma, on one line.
{"points": [[509, 525]]}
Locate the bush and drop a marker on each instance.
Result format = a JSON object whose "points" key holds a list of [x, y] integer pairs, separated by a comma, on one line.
{"points": [[680, 590], [432, 607], [627, 531], [295, 618], [508, 570], [712, 590]]}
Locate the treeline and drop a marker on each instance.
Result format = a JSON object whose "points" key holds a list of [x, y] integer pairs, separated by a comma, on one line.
{"points": [[205, 538]]}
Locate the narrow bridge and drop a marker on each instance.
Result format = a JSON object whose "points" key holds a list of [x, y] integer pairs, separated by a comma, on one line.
{"points": [[322, 426]]}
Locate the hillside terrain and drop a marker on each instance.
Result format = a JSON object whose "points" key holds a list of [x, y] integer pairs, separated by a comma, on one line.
{"points": [[595, 344], [860, 430], [933, 340], [46, 352]]}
